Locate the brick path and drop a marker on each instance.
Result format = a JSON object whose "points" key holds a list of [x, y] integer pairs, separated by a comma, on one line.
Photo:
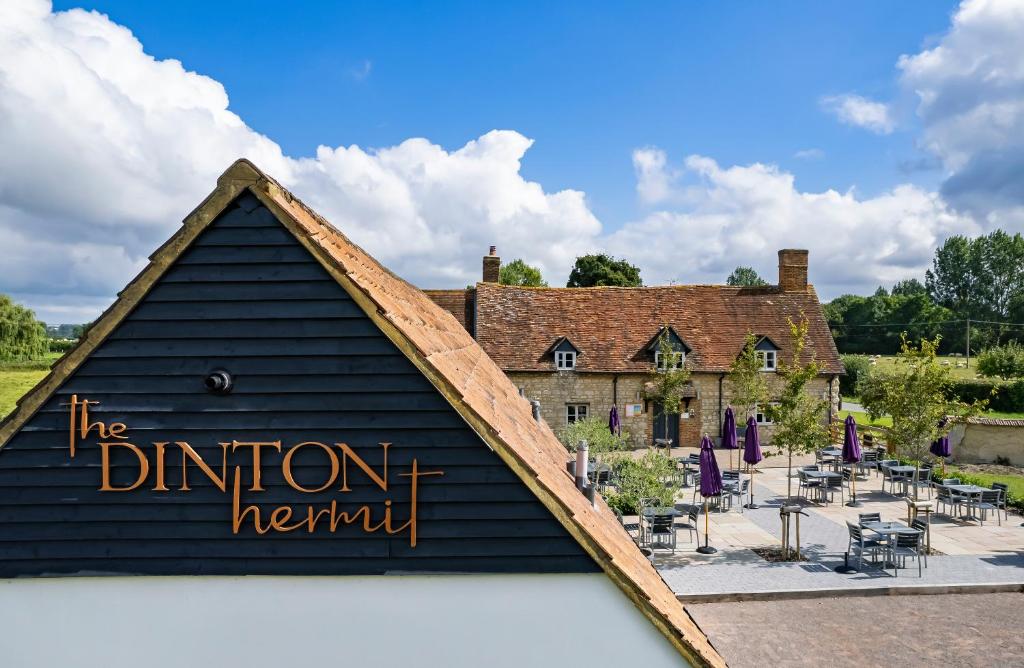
{"points": [[941, 630]]}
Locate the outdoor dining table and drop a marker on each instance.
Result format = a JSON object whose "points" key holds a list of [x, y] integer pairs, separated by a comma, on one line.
{"points": [[971, 492], [904, 470], [889, 530], [836, 455], [823, 476], [690, 465]]}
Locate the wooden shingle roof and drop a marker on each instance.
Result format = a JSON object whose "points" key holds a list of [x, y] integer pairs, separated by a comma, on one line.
{"points": [[441, 348], [613, 326]]}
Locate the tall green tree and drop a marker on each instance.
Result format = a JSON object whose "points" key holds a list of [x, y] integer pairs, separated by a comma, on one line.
{"points": [[913, 393], [798, 415], [667, 385], [603, 269], [22, 337], [519, 273], [747, 381], [745, 276], [864, 324]]}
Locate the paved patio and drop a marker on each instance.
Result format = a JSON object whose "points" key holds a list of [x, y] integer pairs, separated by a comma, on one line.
{"points": [[970, 554]]}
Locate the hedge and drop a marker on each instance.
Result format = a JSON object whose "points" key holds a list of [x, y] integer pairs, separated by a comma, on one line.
{"points": [[1001, 397]]}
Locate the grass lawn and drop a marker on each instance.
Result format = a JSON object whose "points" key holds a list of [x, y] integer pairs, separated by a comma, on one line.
{"points": [[17, 378], [863, 419]]}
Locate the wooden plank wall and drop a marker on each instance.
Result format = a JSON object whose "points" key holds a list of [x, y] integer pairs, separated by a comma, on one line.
{"points": [[308, 365]]}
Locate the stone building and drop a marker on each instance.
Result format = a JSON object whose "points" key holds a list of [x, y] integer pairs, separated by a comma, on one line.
{"points": [[580, 351]]}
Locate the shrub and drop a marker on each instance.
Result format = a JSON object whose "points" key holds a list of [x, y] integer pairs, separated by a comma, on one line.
{"points": [[1002, 397], [639, 478], [595, 432], [61, 345], [857, 367], [1006, 361]]}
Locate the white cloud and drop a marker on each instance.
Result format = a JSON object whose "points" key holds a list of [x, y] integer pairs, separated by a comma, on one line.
{"points": [[861, 112], [970, 92], [105, 149], [742, 215], [810, 154]]}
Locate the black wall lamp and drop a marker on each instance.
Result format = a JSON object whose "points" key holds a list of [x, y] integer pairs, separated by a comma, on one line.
{"points": [[218, 381]]}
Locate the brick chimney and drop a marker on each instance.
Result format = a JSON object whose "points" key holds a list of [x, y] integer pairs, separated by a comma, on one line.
{"points": [[793, 270], [492, 266]]}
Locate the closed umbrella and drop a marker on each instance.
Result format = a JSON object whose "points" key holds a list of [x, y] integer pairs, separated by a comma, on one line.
{"points": [[851, 455], [729, 434], [710, 485], [940, 447], [614, 426], [752, 455]]}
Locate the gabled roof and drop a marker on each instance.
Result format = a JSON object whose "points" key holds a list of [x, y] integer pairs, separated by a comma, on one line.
{"points": [[765, 343], [514, 325], [440, 347], [673, 338], [561, 343]]}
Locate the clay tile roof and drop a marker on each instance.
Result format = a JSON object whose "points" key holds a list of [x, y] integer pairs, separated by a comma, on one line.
{"points": [[438, 344], [457, 302], [996, 422], [612, 326]]}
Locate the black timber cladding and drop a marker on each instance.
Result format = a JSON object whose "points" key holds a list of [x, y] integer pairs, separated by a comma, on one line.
{"points": [[308, 365]]}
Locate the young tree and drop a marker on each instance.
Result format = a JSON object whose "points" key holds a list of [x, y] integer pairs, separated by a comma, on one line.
{"points": [[913, 395], [745, 276], [1006, 361], [594, 430], [747, 381], [602, 269], [667, 384], [519, 273], [22, 337], [798, 416]]}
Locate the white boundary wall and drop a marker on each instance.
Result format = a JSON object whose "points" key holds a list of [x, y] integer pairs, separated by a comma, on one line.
{"points": [[518, 621]]}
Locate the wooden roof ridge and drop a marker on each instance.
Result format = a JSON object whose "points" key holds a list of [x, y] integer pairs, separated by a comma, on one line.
{"points": [[441, 348]]}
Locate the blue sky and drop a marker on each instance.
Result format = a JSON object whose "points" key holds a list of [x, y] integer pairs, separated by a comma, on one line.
{"points": [[688, 138], [588, 82]]}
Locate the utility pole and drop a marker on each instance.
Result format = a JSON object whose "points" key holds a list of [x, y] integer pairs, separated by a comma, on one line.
{"points": [[968, 343]]}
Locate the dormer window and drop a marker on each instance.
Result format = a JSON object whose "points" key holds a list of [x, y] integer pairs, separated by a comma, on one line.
{"points": [[564, 354], [767, 354], [663, 360], [565, 360]]}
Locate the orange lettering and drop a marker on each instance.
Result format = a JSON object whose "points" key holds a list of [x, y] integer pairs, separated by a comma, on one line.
{"points": [[257, 466], [347, 452], [105, 460], [286, 467], [188, 453]]}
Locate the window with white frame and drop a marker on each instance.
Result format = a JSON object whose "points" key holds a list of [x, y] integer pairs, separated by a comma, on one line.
{"points": [[575, 412], [666, 361], [565, 360], [762, 416], [767, 359]]}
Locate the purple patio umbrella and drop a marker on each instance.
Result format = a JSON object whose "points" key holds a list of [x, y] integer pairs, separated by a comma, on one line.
{"points": [[729, 434], [940, 447], [752, 455], [710, 485], [851, 455], [614, 426]]}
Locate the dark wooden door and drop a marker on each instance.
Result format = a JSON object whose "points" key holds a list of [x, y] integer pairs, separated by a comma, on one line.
{"points": [[666, 425]]}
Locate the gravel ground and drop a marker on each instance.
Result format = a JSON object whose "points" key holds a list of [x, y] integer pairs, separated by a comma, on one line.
{"points": [[947, 630]]}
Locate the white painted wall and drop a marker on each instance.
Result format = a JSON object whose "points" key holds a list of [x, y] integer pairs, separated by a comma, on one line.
{"points": [[519, 621]]}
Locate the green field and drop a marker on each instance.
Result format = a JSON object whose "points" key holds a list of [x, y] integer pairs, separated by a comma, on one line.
{"points": [[958, 372], [18, 378]]}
